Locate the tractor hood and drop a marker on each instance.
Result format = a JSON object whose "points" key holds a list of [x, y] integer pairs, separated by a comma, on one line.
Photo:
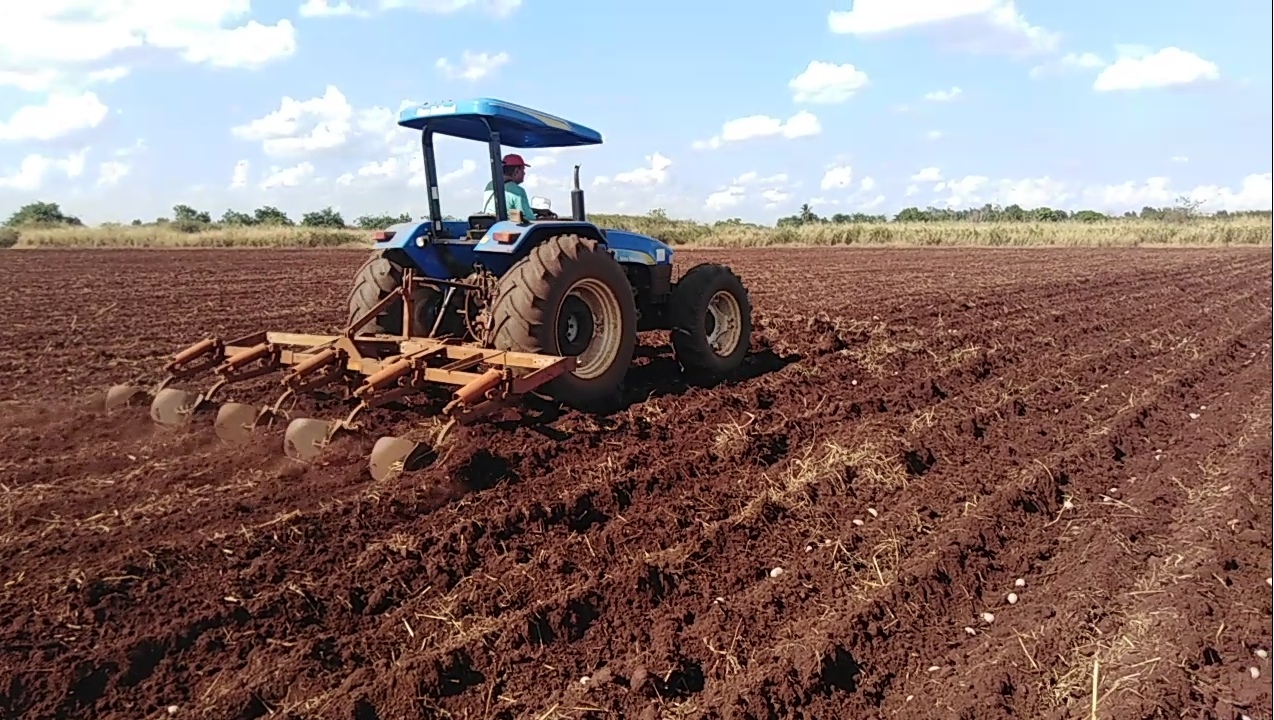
{"points": [[637, 248]]}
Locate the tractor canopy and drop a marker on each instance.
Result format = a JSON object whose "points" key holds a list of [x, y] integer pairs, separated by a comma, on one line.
{"points": [[518, 126]]}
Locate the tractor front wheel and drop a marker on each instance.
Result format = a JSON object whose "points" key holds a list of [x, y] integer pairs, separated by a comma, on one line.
{"points": [[711, 320], [569, 297]]}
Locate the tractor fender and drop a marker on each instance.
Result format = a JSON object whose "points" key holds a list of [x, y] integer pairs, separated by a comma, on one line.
{"points": [[408, 245], [510, 239]]}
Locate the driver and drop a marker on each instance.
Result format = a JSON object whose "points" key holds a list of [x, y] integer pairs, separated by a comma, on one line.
{"points": [[515, 197]]}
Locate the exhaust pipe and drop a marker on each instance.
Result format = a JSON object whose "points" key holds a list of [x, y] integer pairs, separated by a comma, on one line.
{"points": [[577, 200]]}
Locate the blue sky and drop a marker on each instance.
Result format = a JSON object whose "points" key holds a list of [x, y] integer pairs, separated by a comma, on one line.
{"points": [[709, 110]]}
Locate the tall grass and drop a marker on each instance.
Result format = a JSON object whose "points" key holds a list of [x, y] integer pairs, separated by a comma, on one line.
{"points": [[1111, 233]]}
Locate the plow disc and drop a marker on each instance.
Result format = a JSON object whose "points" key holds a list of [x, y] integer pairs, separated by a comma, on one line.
{"points": [[174, 408], [374, 370]]}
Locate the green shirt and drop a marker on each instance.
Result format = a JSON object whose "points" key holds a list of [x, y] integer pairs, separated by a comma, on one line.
{"points": [[514, 199]]}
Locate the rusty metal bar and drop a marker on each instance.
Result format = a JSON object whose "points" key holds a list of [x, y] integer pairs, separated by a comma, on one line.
{"points": [[477, 389], [251, 355], [527, 383], [360, 321], [408, 290], [383, 361]]}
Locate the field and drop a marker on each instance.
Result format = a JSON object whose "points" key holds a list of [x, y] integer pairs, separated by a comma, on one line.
{"points": [[951, 483], [1243, 230]]}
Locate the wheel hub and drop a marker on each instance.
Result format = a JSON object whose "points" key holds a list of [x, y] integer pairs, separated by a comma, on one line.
{"points": [[587, 327], [575, 326], [723, 323]]}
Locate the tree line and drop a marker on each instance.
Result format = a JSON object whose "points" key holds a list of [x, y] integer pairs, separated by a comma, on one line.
{"points": [[188, 219], [1185, 209]]}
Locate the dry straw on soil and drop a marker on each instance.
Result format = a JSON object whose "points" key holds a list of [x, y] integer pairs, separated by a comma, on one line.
{"points": [[1112, 233]]}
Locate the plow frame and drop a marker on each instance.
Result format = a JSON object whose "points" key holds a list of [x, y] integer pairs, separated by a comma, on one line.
{"points": [[390, 367]]}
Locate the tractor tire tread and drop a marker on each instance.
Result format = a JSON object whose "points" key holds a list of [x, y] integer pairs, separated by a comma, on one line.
{"points": [[687, 310], [521, 313], [377, 277]]}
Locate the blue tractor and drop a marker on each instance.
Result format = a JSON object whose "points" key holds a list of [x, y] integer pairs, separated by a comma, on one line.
{"points": [[545, 284], [496, 306]]}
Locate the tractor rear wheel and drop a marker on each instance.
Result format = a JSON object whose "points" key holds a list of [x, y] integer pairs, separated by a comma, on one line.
{"points": [[569, 297], [711, 320], [378, 277]]}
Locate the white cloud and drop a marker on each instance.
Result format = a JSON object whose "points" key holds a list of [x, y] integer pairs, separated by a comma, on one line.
{"points": [[1137, 69], [802, 124], [655, 174], [773, 191], [944, 95], [964, 191], [872, 204], [541, 161], [837, 178], [827, 83], [775, 196], [981, 26], [47, 79], [1254, 193], [35, 169], [391, 168], [328, 122], [111, 172], [62, 114], [288, 177], [1082, 60], [239, 178], [1069, 61], [868, 184], [109, 75], [467, 168], [935, 135], [1180, 159], [730, 197], [327, 8], [395, 170], [473, 66], [929, 174], [494, 8], [28, 80], [250, 46], [68, 33]]}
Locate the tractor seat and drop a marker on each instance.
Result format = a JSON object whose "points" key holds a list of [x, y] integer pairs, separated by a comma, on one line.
{"points": [[479, 224]]}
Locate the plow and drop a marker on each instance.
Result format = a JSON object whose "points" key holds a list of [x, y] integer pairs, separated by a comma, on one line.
{"points": [[372, 370], [473, 314]]}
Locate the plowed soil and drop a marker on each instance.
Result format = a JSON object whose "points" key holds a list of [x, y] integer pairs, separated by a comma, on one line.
{"points": [[948, 484]]}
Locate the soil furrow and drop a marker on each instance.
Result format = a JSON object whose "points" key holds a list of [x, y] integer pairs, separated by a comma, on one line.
{"points": [[806, 540]]}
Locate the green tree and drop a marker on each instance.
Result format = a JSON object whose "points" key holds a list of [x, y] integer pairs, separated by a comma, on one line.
{"points": [[379, 222], [41, 213], [327, 217], [270, 215], [234, 217], [911, 214], [187, 214]]}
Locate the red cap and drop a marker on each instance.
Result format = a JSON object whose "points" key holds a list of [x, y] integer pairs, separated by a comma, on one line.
{"points": [[514, 160]]}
